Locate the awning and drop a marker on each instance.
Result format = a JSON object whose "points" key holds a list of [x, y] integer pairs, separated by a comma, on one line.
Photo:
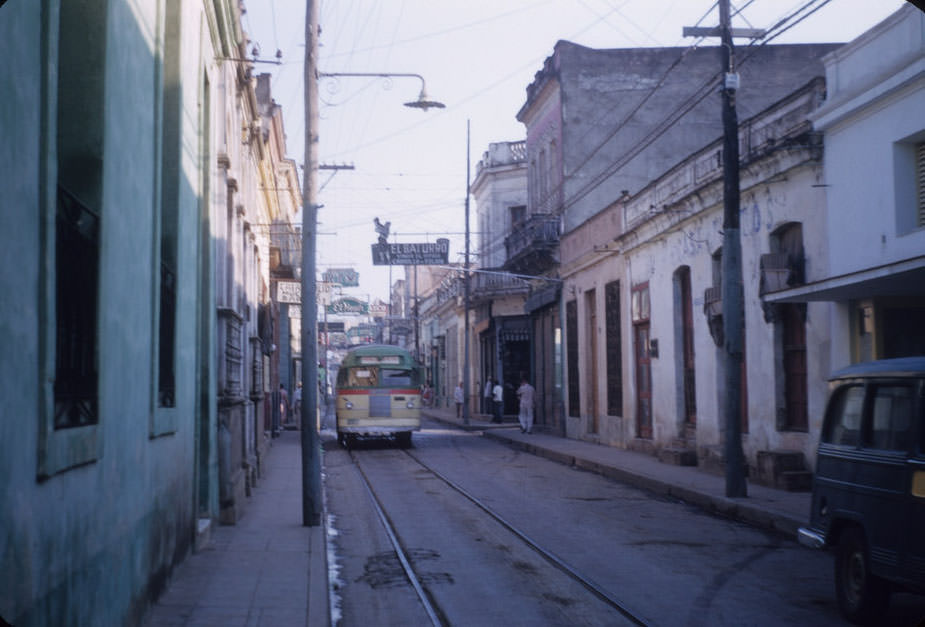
{"points": [[903, 278]]}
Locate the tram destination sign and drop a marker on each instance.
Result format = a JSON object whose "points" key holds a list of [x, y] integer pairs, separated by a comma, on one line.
{"points": [[415, 254]]}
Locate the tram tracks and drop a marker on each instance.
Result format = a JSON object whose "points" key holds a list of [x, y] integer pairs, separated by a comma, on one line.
{"points": [[427, 599]]}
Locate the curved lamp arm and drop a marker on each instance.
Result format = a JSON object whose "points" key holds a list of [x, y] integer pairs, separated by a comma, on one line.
{"points": [[423, 102]]}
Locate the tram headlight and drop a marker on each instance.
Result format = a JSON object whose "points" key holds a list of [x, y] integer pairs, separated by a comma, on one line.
{"points": [[348, 404], [410, 405]]}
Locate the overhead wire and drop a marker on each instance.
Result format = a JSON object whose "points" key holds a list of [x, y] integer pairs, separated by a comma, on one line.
{"points": [[695, 98]]}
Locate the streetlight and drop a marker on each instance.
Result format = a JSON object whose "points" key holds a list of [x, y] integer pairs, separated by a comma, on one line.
{"points": [[423, 102]]}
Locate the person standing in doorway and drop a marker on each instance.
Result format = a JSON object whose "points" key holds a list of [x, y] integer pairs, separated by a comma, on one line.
{"points": [[486, 398], [497, 397], [458, 399], [526, 394]]}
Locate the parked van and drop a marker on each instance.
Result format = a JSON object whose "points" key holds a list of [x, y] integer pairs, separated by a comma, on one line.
{"points": [[868, 500]]}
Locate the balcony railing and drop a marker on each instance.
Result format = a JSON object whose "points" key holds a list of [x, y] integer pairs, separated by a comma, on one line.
{"points": [[532, 245]]}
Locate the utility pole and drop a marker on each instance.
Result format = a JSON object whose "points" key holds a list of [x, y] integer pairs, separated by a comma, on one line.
{"points": [[311, 449], [466, 378], [733, 305]]}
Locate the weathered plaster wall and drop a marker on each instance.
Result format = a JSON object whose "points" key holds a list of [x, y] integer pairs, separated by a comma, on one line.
{"points": [[89, 544]]}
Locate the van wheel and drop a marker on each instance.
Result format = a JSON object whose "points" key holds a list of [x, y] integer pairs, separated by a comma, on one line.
{"points": [[862, 596]]}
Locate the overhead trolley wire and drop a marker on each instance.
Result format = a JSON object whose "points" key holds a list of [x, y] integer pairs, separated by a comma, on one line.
{"points": [[695, 98]]}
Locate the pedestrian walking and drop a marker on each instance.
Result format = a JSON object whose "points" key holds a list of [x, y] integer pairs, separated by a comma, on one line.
{"points": [[497, 397], [427, 395], [297, 404], [526, 394], [486, 397], [458, 399], [283, 405]]}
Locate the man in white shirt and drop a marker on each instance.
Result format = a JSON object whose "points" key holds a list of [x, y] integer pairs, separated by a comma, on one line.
{"points": [[526, 394], [497, 396]]}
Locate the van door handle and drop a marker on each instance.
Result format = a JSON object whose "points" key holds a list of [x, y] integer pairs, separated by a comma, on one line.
{"points": [[918, 478]]}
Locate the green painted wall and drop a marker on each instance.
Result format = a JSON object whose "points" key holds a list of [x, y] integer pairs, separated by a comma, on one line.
{"points": [[90, 544]]}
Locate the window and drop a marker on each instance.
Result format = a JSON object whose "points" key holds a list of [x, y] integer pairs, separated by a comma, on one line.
{"points": [[891, 420], [844, 421], [518, 215], [909, 184], [920, 182], [68, 433], [399, 378], [168, 209], [362, 377], [77, 261]]}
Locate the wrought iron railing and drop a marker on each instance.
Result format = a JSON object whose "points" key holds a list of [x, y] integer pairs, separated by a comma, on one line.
{"points": [[77, 261], [539, 230]]}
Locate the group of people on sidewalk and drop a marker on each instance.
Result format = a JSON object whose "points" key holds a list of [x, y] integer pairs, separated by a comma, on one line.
{"points": [[493, 398]]}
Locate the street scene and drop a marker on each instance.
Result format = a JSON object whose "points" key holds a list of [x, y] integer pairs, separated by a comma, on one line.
{"points": [[559, 312]]}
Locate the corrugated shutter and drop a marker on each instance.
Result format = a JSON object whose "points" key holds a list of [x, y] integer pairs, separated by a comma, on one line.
{"points": [[920, 181]]}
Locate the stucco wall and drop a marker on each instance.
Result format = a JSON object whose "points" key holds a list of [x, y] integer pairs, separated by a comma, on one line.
{"points": [[87, 545], [871, 121]]}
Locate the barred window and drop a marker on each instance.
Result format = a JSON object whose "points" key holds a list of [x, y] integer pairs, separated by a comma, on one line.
{"points": [[77, 260]]}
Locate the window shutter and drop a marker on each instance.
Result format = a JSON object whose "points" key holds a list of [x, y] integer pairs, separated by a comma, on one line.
{"points": [[920, 181]]}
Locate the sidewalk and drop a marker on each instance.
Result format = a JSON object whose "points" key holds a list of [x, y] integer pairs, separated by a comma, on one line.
{"points": [[769, 508], [266, 570]]}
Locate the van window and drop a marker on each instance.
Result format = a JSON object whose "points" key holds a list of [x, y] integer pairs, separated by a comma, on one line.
{"points": [[892, 417], [844, 421]]}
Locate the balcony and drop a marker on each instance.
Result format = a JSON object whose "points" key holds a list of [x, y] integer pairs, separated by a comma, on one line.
{"points": [[533, 246], [489, 286], [780, 271], [713, 310]]}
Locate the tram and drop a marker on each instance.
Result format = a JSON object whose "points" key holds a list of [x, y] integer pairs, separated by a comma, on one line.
{"points": [[378, 394]]}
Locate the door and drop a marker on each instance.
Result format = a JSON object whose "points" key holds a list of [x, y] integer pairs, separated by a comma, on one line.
{"points": [[687, 341], [643, 381], [794, 337], [591, 343]]}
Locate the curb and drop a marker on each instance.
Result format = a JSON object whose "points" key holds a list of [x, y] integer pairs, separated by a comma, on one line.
{"points": [[718, 505]]}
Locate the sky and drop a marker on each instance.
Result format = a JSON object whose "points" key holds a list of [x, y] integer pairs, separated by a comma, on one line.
{"points": [[477, 57]]}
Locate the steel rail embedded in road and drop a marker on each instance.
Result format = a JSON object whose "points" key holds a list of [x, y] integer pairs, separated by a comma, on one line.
{"points": [[399, 551], [552, 558]]}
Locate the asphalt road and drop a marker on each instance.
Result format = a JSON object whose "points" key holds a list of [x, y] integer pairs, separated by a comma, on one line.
{"points": [[665, 563]]}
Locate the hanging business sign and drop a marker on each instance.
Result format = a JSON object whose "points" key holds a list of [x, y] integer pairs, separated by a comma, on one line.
{"points": [[349, 306], [289, 292], [348, 277], [414, 254]]}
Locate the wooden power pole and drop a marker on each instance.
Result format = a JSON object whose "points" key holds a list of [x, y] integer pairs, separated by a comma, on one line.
{"points": [[310, 440], [732, 294]]}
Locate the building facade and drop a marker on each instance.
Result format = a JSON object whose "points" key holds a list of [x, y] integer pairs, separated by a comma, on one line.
{"points": [[649, 300], [874, 175], [122, 175]]}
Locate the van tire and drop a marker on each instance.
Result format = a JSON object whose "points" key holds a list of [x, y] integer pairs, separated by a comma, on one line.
{"points": [[862, 596]]}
